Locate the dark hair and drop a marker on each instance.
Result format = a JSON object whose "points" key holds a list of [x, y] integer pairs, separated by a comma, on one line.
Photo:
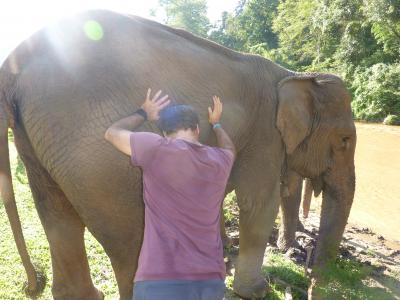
{"points": [[176, 117]]}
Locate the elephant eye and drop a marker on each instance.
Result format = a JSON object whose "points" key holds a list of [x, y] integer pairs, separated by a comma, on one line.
{"points": [[345, 139]]}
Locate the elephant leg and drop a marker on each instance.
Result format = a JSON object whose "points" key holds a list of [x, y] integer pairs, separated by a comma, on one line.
{"points": [[258, 211], [290, 212], [120, 237], [124, 264], [65, 233]]}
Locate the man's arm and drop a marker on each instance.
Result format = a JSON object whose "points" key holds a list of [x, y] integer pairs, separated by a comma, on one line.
{"points": [[214, 116], [118, 134], [224, 141]]}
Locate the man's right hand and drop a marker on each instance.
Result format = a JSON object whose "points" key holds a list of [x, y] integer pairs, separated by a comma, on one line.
{"points": [[214, 115]]}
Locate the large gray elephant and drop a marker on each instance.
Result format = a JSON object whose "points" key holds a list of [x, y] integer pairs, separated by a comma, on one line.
{"points": [[63, 87]]}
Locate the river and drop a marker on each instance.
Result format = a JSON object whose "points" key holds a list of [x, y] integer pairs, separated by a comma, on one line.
{"points": [[377, 199]]}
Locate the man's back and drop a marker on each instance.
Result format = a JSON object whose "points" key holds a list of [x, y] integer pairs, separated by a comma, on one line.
{"points": [[183, 187]]}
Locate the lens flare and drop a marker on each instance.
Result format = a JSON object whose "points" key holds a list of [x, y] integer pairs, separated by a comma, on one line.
{"points": [[93, 30]]}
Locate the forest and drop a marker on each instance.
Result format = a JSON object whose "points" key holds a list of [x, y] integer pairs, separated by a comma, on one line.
{"points": [[359, 40]]}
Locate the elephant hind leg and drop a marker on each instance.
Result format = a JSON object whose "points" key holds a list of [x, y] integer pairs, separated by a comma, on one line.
{"points": [[65, 233], [122, 245]]}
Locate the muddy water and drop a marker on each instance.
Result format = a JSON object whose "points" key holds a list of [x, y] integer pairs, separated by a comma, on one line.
{"points": [[377, 200]]}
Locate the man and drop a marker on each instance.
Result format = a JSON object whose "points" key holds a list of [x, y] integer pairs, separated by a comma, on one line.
{"points": [[183, 185]]}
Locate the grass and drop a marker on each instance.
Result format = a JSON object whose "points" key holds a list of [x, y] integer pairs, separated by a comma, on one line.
{"points": [[347, 279]]}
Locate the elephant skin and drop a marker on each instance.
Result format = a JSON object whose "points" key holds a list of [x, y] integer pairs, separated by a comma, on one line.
{"points": [[65, 86]]}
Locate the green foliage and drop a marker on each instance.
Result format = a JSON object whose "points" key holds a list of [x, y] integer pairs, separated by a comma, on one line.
{"points": [[359, 39], [392, 120], [385, 18], [187, 14], [376, 92], [250, 28], [230, 209], [296, 36]]}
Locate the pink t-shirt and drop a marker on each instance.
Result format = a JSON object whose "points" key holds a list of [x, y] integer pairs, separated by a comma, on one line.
{"points": [[183, 188]]}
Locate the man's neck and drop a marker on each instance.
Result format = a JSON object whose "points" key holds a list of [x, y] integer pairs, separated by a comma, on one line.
{"points": [[187, 135]]}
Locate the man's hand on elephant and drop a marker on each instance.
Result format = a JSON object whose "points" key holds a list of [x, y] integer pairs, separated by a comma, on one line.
{"points": [[153, 106], [214, 115]]}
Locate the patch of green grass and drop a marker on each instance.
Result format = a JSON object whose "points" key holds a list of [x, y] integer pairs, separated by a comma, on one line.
{"points": [[281, 271], [230, 209], [347, 279]]}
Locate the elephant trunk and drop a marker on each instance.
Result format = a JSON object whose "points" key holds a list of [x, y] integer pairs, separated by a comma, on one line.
{"points": [[338, 194]]}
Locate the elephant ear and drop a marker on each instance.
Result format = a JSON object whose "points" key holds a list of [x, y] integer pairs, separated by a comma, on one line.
{"points": [[295, 110]]}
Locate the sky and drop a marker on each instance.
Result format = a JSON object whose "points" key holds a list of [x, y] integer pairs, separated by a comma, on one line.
{"points": [[20, 18]]}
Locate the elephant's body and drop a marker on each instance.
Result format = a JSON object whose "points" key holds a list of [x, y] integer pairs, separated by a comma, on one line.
{"points": [[68, 88]]}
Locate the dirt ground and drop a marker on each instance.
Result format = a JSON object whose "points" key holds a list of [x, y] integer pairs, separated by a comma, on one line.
{"points": [[359, 244]]}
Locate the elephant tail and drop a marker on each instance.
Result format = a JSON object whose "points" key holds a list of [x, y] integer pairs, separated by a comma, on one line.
{"points": [[6, 187]]}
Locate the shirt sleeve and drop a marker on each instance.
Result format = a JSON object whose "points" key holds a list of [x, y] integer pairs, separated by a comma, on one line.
{"points": [[227, 159], [143, 147]]}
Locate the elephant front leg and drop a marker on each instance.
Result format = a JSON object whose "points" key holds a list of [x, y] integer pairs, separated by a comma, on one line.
{"points": [[290, 212], [258, 210]]}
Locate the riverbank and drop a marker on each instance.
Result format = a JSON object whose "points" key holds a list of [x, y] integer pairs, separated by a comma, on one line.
{"points": [[368, 266]]}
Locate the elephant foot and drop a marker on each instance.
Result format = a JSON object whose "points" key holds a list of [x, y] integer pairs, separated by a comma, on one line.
{"points": [[258, 289], [285, 243], [41, 280]]}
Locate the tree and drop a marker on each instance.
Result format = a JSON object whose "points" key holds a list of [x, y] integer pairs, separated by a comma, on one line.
{"points": [[384, 15], [249, 29], [297, 38], [187, 14]]}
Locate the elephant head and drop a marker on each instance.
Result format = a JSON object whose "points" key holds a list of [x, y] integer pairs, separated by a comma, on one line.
{"points": [[315, 121]]}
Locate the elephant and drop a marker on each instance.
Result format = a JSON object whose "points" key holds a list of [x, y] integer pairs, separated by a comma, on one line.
{"points": [[62, 87]]}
